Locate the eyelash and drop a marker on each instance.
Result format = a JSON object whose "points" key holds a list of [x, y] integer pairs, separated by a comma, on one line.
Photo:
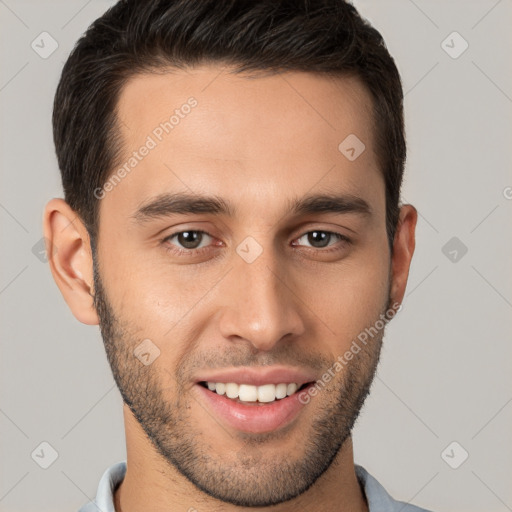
{"points": [[177, 251]]}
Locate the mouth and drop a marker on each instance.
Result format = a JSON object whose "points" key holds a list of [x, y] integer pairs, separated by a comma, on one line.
{"points": [[249, 394], [251, 408]]}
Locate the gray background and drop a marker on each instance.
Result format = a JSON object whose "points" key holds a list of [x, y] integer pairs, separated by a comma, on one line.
{"points": [[445, 371]]}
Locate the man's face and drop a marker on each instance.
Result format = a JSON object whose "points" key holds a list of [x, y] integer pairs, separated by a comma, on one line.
{"points": [[267, 294]]}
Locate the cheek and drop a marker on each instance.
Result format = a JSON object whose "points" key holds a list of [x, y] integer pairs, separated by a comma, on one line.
{"points": [[161, 301], [349, 298]]}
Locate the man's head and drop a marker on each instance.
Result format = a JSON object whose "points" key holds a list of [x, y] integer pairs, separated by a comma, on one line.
{"points": [[232, 174]]}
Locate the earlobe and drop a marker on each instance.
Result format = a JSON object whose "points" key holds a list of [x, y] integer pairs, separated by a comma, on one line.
{"points": [[403, 250], [70, 258]]}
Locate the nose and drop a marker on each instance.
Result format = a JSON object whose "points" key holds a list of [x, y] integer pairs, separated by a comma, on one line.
{"points": [[261, 305]]}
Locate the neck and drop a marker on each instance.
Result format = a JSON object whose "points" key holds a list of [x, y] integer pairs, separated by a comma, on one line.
{"points": [[153, 485]]}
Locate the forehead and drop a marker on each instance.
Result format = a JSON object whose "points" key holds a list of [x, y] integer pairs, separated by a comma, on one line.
{"points": [[211, 130], [271, 104]]}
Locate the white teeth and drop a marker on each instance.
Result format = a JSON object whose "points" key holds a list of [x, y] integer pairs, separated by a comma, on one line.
{"points": [[281, 390], [248, 393], [232, 390], [267, 393], [291, 388]]}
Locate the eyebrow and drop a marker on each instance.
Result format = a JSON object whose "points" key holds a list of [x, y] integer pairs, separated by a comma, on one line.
{"points": [[165, 205]]}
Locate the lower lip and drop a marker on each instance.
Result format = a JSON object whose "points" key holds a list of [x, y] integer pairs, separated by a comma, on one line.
{"points": [[257, 418]]}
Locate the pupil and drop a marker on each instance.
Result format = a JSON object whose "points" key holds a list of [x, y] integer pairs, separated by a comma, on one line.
{"points": [[318, 238], [190, 239]]}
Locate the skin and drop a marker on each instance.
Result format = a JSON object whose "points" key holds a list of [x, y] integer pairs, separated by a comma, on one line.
{"points": [[256, 143]]}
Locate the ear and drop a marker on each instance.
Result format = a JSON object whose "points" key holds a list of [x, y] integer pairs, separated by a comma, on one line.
{"points": [[403, 249], [69, 254]]}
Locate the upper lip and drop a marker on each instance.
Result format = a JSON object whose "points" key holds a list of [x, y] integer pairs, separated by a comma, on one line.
{"points": [[258, 376]]}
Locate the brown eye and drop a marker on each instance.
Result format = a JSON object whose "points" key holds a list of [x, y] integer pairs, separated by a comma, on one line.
{"points": [[188, 239], [319, 239]]}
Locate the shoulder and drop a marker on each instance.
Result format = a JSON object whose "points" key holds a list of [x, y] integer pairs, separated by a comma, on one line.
{"points": [[378, 498]]}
